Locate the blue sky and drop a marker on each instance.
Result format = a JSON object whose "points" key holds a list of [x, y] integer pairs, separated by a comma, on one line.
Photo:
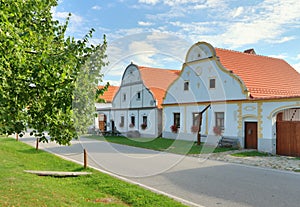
{"points": [[158, 33]]}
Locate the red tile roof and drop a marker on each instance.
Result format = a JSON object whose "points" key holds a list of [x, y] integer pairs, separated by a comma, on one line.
{"points": [[158, 80], [108, 95], [265, 77]]}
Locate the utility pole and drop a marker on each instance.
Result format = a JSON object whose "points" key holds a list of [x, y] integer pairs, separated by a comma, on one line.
{"points": [[200, 124]]}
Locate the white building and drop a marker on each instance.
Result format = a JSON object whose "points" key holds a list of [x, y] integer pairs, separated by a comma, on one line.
{"points": [[255, 99], [136, 107]]}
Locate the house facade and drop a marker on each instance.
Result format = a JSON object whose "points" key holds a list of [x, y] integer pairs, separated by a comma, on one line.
{"points": [[136, 107], [251, 98]]}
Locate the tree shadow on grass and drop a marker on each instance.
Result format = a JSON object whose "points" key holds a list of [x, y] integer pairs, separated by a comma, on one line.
{"points": [[31, 151]]}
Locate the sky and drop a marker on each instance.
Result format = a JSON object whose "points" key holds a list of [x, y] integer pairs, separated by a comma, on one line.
{"points": [[158, 33]]}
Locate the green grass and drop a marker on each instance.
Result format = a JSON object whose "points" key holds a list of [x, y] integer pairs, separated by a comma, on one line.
{"points": [[163, 144], [23, 189], [250, 154]]}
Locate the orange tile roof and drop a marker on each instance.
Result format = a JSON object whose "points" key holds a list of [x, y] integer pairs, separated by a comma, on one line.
{"points": [[108, 95], [158, 80], [265, 77]]}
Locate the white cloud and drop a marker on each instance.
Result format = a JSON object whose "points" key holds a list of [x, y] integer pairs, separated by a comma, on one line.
{"points": [[112, 82], [280, 56], [96, 7], [298, 57], [283, 39], [153, 2], [61, 16], [194, 27], [142, 52], [237, 12], [264, 22], [297, 66], [243, 25], [141, 23]]}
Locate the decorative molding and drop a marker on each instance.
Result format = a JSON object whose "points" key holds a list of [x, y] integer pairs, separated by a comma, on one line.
{"points": [[239, 116], [259, 120], [249, 108], [198, 70]]}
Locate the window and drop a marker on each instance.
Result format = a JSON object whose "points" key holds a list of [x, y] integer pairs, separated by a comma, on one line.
{"points": [[138, 96], [196, 119], [212, 83], [177, 120], [145, 120], [122, 121], [133, 120], [186, 85], [124, 97], [220, 119]]}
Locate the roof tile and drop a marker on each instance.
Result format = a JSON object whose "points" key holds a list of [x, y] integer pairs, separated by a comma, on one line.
{"points": [[109, 94], [158, 80], [265, 77]]}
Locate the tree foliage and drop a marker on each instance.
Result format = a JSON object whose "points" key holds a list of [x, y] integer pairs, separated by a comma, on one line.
{"points": [[86, 90], [39, 68]]}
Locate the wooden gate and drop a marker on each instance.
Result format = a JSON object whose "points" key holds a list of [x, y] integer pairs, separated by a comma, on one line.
{"points": [[288, 138], [251, 135]]}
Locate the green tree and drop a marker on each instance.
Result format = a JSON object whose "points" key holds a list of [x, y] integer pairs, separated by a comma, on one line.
{"points": [[87, 91], [39, 68]]}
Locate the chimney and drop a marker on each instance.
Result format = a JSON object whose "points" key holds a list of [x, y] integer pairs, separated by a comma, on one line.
{"points": [[250, 51]]}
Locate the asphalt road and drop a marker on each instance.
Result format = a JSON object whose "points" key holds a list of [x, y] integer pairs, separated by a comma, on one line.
{"points": [[194, 181]]}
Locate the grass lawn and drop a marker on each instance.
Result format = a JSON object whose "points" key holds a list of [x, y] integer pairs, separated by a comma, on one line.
{"points": [[23, 189], [163, 144], [250, 154]]}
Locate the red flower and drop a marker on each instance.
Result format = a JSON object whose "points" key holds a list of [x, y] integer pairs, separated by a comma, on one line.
{"points": [[217, 130], [174, 128]]}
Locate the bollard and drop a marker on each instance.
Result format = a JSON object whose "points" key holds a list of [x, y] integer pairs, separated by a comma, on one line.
{"points": [[84, 159]]}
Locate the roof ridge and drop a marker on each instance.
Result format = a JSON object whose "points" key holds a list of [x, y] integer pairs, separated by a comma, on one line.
{"points": [[250, 54], [158, 68]]}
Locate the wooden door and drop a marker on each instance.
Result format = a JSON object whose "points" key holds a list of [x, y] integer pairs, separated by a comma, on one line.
{"points": [[102, 122], [288, 138], [251, 135]]}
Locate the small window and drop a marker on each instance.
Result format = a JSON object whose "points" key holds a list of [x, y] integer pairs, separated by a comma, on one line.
{"points": [[138, 96], [177, 120], [124, 97], [122, 121], [145, 120], [133, 120], [186, 86], [220, 119], [212, 83]]}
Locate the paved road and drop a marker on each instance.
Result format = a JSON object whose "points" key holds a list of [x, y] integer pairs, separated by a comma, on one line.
{"points": [[197, 182]]}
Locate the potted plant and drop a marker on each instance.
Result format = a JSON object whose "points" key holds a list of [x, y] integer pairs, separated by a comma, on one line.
{"points": [[143, 126], [217, 130], [194, 129], [131, 125], [174, 128]]}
